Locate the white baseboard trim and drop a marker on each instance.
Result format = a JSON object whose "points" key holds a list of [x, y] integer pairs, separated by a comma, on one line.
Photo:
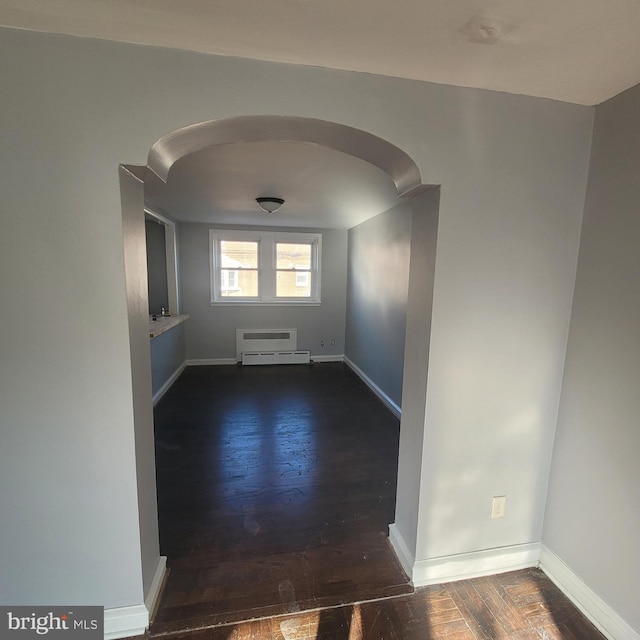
{"points": [[334, 358], [386, 400], [463, 566], [401, 549], [207, 362], [151, 598], [125, 621], [592, 606], [165, 387]]}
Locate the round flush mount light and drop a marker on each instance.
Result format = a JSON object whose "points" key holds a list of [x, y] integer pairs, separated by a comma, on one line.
{"points": [[270, 204]]}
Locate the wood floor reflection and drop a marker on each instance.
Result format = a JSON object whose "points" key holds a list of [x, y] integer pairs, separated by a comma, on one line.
{"points": [[276, 486]]}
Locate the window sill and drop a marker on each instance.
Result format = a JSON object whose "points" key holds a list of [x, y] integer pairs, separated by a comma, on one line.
{"points": [[250, 303]]}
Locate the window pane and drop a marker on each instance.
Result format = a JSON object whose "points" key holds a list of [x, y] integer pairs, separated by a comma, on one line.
{"points": [[239, 284], [238, 254], [293, 256], [229, 280], [291, 284]]}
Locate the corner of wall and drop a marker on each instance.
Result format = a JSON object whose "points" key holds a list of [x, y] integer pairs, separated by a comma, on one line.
{"points": [[127, 622], [401, 549]]}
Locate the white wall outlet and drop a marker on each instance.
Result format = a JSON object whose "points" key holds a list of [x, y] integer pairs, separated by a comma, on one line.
{"points": [[498, 506]]}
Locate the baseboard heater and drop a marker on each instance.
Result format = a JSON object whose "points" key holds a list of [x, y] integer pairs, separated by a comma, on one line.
{"points": [[269, 346], [276, 357]]}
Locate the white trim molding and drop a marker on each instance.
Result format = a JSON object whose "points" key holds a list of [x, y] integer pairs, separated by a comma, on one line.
{"points": [[386, 400], [124, 622], [474, 564], [165, 387], [151, 599], [208, 362], [462, 566], [334, 358], [590, 604], [401, 549]]}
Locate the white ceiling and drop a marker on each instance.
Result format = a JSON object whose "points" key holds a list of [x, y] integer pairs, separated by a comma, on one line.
{"points": [[322, 188], [581, 51]]}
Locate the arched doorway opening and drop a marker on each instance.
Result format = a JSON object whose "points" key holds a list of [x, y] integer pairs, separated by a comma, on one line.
{"points": [[172, 150]]}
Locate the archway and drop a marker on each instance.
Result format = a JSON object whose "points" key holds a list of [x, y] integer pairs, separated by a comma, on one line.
{"points": [[169, 149], [354, 142]]}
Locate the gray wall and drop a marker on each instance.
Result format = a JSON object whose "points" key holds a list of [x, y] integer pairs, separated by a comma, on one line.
{"points": [[211, 330], [424, 234], [167, 355], [513, 174], [377, 285], [156, 266], [133, 231], [593, 510]]}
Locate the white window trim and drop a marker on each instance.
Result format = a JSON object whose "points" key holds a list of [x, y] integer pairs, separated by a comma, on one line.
{"points": [[266, 266]]}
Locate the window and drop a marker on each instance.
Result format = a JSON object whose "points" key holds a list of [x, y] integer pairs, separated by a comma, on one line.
{"points": [[238, 268], [293, 269], [265, 268]]}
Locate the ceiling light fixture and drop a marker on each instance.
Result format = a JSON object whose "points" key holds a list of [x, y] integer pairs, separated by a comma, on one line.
{"points": [[270, 205]]}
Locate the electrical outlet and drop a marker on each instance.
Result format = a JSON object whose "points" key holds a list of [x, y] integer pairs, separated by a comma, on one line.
{"points": [[333, 342], [322, 343], [498, 506]]}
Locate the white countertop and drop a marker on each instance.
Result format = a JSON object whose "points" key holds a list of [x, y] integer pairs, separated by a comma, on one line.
{"points": [[164, 323]]}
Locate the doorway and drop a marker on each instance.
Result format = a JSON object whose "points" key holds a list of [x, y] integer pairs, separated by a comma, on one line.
{"points": [[402, 172]]}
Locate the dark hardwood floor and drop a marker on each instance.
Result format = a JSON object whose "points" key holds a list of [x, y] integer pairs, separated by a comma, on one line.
{"points": [[275, 489], [276, 486], [520, 605]]}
